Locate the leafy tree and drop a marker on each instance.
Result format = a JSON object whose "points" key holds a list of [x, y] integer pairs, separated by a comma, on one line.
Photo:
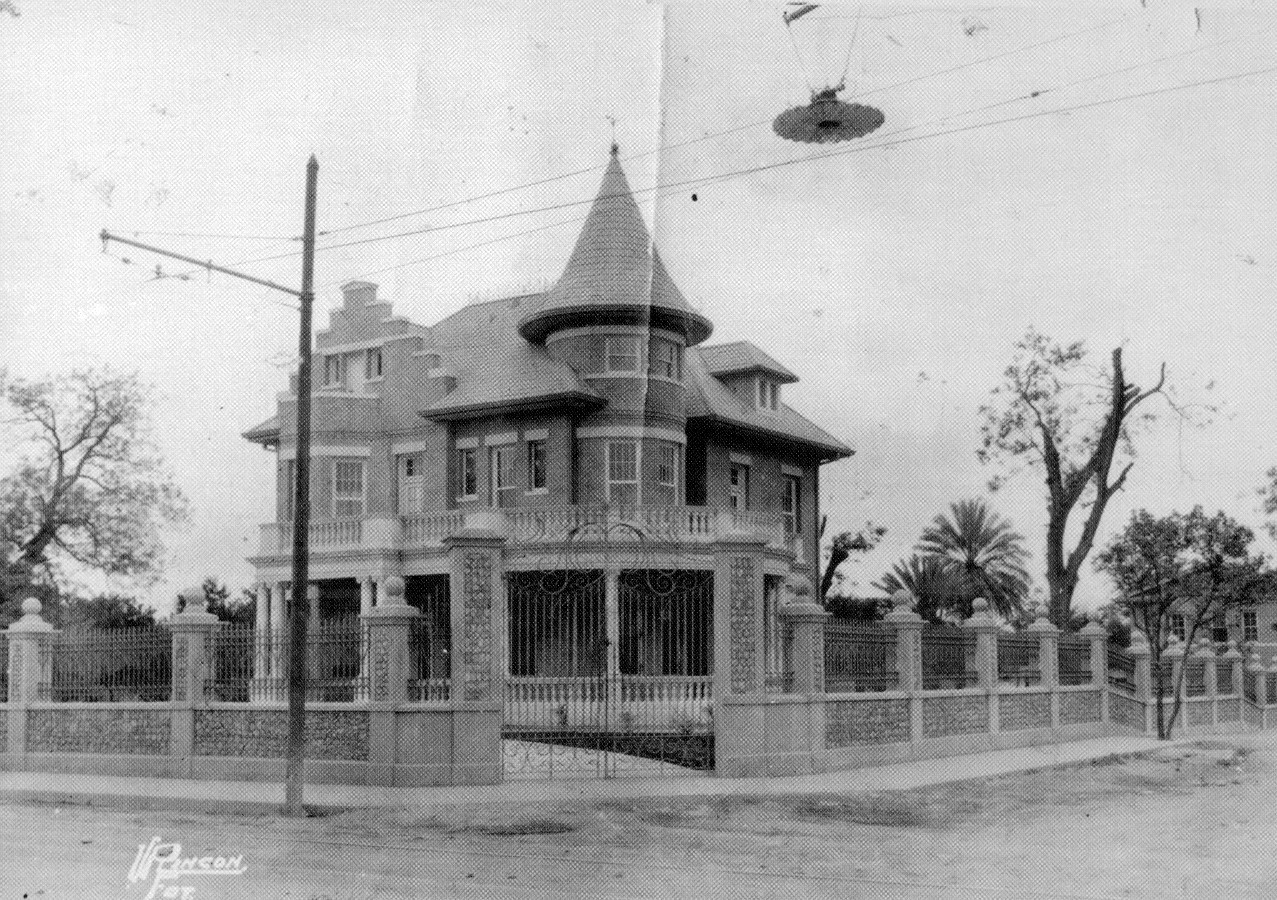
{"points": [[1075, 422], [983, 551], [106, 611], [1269, 494], [88, 487], [1193, 565], [217, 600], [932, 581], [840, 549], [857, 609]]}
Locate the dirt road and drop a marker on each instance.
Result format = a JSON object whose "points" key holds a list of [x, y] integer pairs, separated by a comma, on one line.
{"points": [[1192, 821]]}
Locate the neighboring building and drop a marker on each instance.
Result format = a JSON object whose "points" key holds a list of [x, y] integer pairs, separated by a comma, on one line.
{"points": [[588, 426]]}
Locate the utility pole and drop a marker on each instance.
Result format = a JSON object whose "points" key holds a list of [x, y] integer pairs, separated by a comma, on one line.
{"points": [[294, 766]]}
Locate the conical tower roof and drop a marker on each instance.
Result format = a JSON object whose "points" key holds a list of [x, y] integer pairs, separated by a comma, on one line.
{"points": [[615, 275]]}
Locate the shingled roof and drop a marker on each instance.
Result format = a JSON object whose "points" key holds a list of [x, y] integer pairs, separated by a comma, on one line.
{"points": [[742, 356], [614, 273], [709, 399]]}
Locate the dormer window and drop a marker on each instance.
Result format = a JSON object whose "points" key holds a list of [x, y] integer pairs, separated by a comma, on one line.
{"points": [[768, 394], [622, 353], [372, 364]]}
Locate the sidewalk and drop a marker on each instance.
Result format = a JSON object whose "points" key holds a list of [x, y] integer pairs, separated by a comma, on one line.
{"points": [[266, 797]]}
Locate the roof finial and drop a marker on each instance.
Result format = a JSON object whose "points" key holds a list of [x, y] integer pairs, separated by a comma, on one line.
{"points": [[616, 148]]}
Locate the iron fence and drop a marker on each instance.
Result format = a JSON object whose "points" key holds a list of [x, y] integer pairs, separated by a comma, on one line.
{"points": [[1121, 669], [1224, 676], [860, 657], [4, 667], [236, 654], [1019, 659], [947, 658], [1074, 656], [251, 665], [105, 665], [1194, 678]]}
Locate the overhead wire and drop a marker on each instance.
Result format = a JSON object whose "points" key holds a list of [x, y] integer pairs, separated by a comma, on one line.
{"points": [[783, 163], [734, 129]]}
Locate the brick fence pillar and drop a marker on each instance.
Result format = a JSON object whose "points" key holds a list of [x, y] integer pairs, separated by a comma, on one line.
{"points": [[739, 657], [1205, 655], [478, 654], [30, 671]]}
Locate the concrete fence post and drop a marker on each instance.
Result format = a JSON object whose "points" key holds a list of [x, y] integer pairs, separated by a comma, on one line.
{"points": [[986, 630], [30, 671], [193, 631], [388, 636], [1237, 685], [1205, 655], [1255, 666], [1049, 660], [1143, 655], [1175, 652], [805, 623], [908, 628], [1095, 631]]}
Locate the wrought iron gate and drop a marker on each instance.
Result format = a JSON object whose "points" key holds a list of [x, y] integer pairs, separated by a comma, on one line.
{"points": [[589, 698]]}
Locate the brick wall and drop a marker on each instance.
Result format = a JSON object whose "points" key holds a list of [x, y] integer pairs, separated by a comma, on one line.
{"points": [[116, 730], [1125, 711], [263, 733], [744, 630], [1019, 711], [954, 715], [1077, 707], [853, 722]]}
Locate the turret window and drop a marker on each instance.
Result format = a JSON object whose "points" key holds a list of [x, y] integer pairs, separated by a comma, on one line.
{"points": [[665, 359], [622, 473], [348, 488], [334, 371], [622, 352]]}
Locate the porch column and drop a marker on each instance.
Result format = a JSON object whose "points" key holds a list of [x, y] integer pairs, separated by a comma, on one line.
{"points": [[278, 638], [261, 623], [366, 588]]}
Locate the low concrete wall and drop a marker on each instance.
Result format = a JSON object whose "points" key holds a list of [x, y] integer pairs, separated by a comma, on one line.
{"points": [[382, 744]]}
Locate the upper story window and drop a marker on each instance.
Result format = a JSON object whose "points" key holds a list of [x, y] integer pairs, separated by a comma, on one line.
{"points": [[622, 353], [791, 504], [536, 465], [665, 359], [768, 394], [504, 470], [335, 371], [468, 472], [372, 364], [1177, 625], [410, 484], [290, 487], [738, 486], [667, 466], [348, 488], [622, 472], [1250, 625]]}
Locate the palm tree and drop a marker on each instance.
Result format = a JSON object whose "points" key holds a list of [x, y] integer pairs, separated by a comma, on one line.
{"points": [[984, 551], [934, 584]]}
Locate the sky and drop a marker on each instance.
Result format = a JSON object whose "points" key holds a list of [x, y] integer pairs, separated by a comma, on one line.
{"points": [[894, 277]]}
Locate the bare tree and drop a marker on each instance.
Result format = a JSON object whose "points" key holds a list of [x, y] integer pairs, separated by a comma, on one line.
{"points": [[1076, 423], [88, 486]]}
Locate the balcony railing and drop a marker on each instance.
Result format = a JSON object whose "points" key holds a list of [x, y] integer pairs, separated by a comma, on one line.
{"points": [[532, 525]]}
